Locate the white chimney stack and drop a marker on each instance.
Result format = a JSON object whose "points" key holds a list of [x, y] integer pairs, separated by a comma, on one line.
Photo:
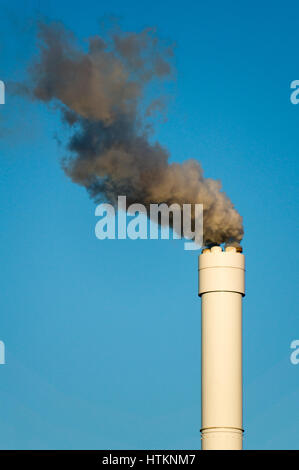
{"points": [[221, 287]]}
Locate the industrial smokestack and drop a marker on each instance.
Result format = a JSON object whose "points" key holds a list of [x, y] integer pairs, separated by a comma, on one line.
{"points": [[221, 287]]}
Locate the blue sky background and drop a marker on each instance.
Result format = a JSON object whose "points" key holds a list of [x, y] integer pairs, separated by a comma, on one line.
{"points": [[103, 337]]}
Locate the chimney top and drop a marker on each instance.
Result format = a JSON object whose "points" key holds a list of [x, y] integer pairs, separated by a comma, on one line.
{"points": [[218, 249]]}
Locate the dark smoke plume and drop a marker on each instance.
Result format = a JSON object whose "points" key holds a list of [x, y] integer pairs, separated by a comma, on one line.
{"points": [[101, 95]]}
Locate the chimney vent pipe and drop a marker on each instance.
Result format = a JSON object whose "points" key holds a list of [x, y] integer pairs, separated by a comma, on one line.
{"points": [[221, 287]]}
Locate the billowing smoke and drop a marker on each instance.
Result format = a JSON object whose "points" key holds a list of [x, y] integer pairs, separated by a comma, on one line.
{"points": [[101, 93]]}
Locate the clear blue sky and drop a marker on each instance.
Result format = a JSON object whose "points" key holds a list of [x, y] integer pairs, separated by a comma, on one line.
{"points": [[103, 337]]}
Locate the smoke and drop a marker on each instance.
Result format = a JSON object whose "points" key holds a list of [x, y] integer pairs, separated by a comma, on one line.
{"points": [[101, 94]]}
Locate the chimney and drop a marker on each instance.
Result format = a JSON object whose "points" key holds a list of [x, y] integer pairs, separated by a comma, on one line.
{"points": [[221, 287]]}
